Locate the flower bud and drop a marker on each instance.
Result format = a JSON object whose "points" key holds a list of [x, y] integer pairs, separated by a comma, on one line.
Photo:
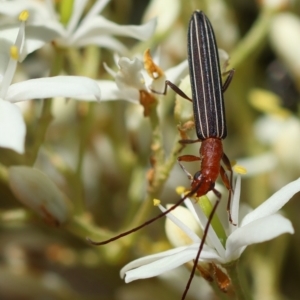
{"points": [[35, 190], [176, 236]]}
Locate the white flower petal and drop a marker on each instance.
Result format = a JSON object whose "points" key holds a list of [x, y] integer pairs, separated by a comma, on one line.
{"points": [[4, 56], [103, 41], [149, 259], [76, 87], [110, 91], [99, 26], [110, 71], [181, 227], [42, 33], [96, 9], [261, 230], [235, 204], [36, 36], [274, 203], [7, 77], [129, 74], [178, 72], [12, 127], [211, 237], [37, 9], [78, 7], [167, 263], [41, 27]]}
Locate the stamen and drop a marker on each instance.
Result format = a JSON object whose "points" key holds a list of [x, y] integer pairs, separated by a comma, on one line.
{"points": [[156, 202], [180, 190], [239, 169], [23, 16], [14, 52]]}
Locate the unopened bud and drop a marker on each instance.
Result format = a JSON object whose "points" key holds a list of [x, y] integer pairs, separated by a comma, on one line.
{"points": [[35, 190], [175, 234]]}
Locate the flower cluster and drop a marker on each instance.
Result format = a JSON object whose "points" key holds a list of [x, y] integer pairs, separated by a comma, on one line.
{"points": [[42, 26], [91, 131]]}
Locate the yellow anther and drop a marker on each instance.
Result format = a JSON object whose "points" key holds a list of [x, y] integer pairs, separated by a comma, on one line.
{"points": [[239, 169], [23, 16], [180, 190], [14, 52], [156, 202], [153, 70]]}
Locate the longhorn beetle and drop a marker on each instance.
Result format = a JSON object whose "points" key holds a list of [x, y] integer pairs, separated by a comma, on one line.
{"points": [[210, 124]]}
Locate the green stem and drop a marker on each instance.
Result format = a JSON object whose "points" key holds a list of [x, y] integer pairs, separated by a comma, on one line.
{"points": [[46, 115], [3, 173], [85, 114], [163, 175], [238, 288], [74, 61], [158, 158], [254, 38], [44, 121], [81, 227]]}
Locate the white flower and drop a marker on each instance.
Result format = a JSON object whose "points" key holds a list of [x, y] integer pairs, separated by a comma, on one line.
{"points": [[44, 26], [12, 126], [132, 78], [261, 224]]}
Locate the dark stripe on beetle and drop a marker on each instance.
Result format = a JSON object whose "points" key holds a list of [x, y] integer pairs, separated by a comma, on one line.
{"points": [[205, 76]]}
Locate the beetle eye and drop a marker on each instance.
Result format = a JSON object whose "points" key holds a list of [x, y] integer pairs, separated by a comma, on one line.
{"points": [[197, 175]]}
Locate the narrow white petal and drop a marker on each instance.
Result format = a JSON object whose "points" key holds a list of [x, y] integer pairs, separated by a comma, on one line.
{"points": [[150, 258], [178, 72], [110, 71], [4, 57], [36, 9], [12, 127], [167, 263], [100, 26], [211, 235], [78, 7], [129, 74], [274, 203], [36, 36], [45, 32], [261, 230], [110, 91], [235, 204], [7, 77], [76, 87], [103, 41], [189, 227], [95, 10]]}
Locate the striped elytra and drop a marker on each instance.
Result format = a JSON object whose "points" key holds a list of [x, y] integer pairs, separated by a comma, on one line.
{"points": [[205, 77]]}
